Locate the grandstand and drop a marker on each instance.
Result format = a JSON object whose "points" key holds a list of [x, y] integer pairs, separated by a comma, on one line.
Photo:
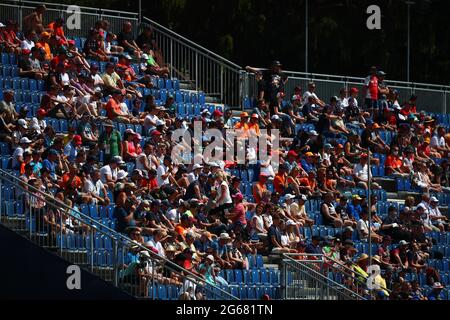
{"points": [[53, 208]]}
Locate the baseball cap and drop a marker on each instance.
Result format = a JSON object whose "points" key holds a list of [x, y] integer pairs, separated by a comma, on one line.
{"points": [[356, 197], [255, 116], [25, 140], [354, 90], [309, 154], [434, 199], [292, 153], [313, 133], [22, 123], [41, 112], [217, 113], [156, 133], [403, 243], [118, 160], [77, 140], [303, 197], [238, 196], [244, 115], [45, 34], [289, 196]]}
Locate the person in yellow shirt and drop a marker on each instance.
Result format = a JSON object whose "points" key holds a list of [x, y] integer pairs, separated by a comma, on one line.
{"points": [[243, 125], [253, 126]]}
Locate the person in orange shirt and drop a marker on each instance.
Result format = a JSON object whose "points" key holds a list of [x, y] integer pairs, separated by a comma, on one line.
{"points": [[279, 182], [70, 180], [243, 125], [27, 157], [113, 108], [253, 126], [260, 188], [56, 27], [43, 44], [393, 164]]}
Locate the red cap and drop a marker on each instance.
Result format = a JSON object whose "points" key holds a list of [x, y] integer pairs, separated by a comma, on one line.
{"points": [[26, 51], [238, 196], [354, 90], [364, 156], [41, 112], [217, 113], [72, 42], [292, 153], [77, 140], [156, 133]]}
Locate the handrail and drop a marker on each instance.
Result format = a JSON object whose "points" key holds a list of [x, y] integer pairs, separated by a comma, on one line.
{"points": [[16, 182], [351, 271], [325, 280], [199, 47], [324, 260], [347, 78]]}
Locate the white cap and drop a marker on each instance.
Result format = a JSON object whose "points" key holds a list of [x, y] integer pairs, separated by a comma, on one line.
{"points": [[313, 133], [290, 223], [144, 56], [25, 140], [421, 205], [275, 117], [122, 174], [160, 123], [22, 123], [197, 166], [2, 25], [434, 199], [303, 197], [289, 196], [210, 257]]}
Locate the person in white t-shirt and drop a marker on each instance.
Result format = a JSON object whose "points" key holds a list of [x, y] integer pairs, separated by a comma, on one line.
{"points": [[363, 229], [94, 187], [361, 173], [437, 219], [108, 173], [311, 93], [439, 144], [155, 242], [28, 43]]}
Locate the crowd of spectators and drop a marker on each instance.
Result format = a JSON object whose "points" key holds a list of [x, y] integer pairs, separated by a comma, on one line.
{"points": [[197, 215]]}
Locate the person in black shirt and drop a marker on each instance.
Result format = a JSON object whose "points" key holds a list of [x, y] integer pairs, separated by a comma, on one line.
{"points": [[274, 235], [273, 81], [126, 40]]}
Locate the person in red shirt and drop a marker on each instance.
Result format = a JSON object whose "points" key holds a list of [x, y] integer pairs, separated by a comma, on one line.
{"points": [[410, 106], [11, 42], [393, 164], [371, 89], [237, 214]]}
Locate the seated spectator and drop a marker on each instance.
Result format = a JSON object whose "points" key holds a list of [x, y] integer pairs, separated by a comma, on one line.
{"points": [[363, 226], [361, 173], [126, 41]]}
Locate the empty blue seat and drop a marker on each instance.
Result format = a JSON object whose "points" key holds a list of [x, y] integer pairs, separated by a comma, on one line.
{"points": [[238, 277], [255, 277]]}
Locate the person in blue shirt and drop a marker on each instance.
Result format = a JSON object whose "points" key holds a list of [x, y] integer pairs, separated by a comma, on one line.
{"points": [[308, 162], [36, 163], [436, 293], [71, 149], [314, 247], [354, 208], [51, 163]]}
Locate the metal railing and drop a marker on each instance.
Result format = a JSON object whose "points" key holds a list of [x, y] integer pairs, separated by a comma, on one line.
{"points": [[432, 97], [305, 277], [203, 69], [94, 246]]}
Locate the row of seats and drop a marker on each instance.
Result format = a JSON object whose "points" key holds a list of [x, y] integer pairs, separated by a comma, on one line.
{"points": [[19, 83], [8, 58], [252, 277]]}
